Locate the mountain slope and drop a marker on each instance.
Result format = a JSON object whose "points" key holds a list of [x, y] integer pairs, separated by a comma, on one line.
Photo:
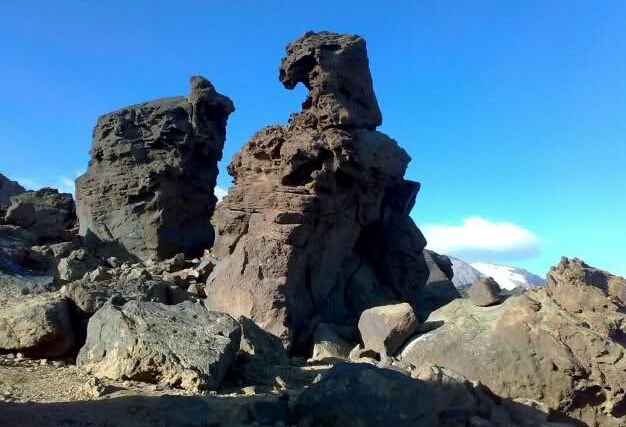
{"points": [[507, 277]]}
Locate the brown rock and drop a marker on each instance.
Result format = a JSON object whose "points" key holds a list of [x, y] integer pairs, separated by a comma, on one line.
{"points": [[485, 292], [561, 346], [384, 329], [8, 189], [317, 224]]}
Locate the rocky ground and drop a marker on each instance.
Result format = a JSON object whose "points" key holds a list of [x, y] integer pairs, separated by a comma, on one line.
{"points": [[317, 304]]}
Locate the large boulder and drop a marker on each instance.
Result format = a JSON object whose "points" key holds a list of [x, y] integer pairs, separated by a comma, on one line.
{"points": [[148, 191], [180, 345], [429, 396], [37, 325], [562, 346], [46, 213], [384, 329], [317, 224], [8, 189], [484, 292]]}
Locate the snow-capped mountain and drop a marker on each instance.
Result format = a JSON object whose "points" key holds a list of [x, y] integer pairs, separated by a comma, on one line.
{"points": [[507, 277]]}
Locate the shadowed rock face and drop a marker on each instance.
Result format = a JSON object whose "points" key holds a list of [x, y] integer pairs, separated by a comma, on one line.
{"points": [[149, 186], [316, 227], [8, 189]]}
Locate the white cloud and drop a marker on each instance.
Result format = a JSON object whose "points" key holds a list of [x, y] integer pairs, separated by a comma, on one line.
{"points": [[220, 193], [66, 185], [478, 239]]}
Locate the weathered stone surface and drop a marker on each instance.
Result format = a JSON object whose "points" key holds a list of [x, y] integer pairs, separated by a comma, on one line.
{"points": [[439, 289], [90, 296], [485, 292], [259, 354], [78, 263], [15, 242], [181, 345], [384, 329], [562, 346], [46, 213], [329, 345], [148, 191], [317, 224], [37, 325], [8, 189]]}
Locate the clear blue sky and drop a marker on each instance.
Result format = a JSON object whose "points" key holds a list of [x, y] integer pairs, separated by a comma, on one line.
{"points": [[513, 112]]}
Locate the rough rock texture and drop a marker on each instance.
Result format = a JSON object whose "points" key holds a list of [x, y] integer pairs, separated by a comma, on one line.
{"points": [[485, 292], [90, 296], [439, 289], [384, 329], [259, 354], [328, 344], [181, 345], [36, 325], [562, 346], [429, 396], [8, 189], [46, 213], [148, 191], [317, 224]]}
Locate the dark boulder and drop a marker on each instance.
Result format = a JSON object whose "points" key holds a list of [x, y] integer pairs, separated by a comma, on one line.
{"points": [[148, 191]]}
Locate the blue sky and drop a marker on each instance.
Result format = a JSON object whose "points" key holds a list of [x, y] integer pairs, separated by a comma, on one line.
{"points": [[514, 112]]}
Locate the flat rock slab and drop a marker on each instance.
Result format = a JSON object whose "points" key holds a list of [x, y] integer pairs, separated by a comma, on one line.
{"points": [[36, 325], [182, 345]]}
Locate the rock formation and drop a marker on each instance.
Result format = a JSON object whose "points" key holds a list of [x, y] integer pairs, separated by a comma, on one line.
{"points": [[182, 345], [46, 213], [317, 226], [148, 191], [562, 346], [8, 189]]}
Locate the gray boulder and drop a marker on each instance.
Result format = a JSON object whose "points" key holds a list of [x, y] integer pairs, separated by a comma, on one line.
{"points": [[180, 345], [8, 189], [89, 296], [365, 396], [384, 329], [37, 325], [485, 292], [148, 191], [46, 213]]}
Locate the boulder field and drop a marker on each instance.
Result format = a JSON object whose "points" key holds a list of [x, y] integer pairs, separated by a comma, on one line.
{"points": [[305, 298]]}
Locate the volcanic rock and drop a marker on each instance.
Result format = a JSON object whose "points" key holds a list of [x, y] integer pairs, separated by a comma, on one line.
{"points": [[384, 329], [46, 213], [36, 325], [180, 345], [562, 346], [329, 345], [148, 191], [439, 289], [485, 292], [8, 189], [317, 223]]}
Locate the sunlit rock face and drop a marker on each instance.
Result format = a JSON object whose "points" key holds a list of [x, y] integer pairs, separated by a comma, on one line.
{"points": [[316, 227], [148, 191]]}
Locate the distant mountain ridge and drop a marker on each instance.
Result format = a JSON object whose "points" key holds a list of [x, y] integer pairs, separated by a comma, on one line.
{"points": [[507, 277]]}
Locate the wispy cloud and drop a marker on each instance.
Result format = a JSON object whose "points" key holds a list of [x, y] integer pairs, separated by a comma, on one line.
{"points": [[478, 239]]}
